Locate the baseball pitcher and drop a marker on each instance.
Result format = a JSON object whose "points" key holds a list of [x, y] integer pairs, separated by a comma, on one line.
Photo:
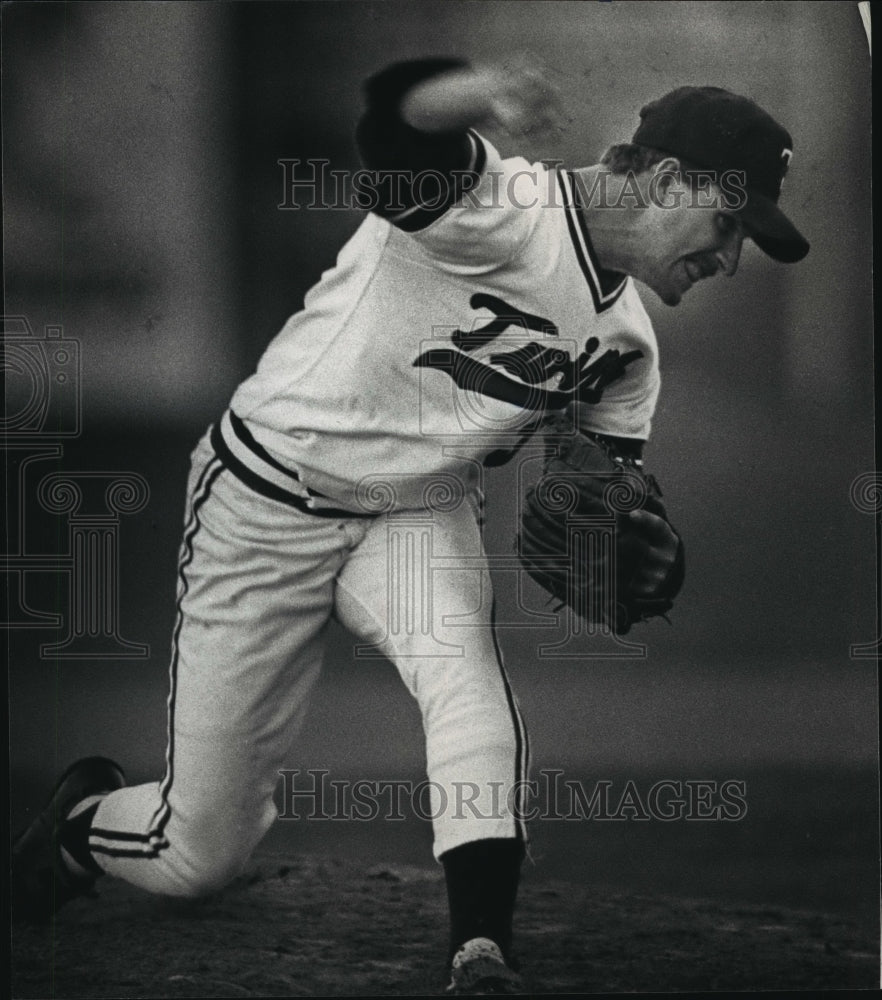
{"points": [[481, 300]]}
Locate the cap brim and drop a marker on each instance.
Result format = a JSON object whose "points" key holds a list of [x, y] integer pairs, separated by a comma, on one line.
{"points": [[772, 231]]}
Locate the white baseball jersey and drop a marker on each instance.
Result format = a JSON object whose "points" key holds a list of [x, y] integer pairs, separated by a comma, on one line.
{"points": [[440, 338]]}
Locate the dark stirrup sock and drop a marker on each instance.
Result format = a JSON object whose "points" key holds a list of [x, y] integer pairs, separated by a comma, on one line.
{"points": [[482, 886], [74, 838]]}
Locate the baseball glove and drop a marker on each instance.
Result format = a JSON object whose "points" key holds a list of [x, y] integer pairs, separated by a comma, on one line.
{"points": [[611, 578]]}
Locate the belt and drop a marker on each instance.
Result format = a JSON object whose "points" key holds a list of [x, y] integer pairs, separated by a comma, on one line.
{"points": [[253, 465]]}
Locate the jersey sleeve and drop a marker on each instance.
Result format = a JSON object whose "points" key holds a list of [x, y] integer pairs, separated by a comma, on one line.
{"points": [[467, 208], [412, 177]]}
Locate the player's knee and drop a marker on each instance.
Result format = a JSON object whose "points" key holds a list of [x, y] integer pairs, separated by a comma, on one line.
{"points": [[210, 871], [206, 883], [211, 854], [209, 847]]}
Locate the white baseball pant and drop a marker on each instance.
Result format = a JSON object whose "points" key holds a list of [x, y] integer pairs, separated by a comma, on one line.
{"points": [[258, 582]]}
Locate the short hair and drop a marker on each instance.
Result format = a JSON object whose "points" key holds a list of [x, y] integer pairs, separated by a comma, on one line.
{"points": [[632, 158]]}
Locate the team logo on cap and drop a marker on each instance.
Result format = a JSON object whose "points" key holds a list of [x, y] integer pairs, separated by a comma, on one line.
{"points": [[786, 157]]}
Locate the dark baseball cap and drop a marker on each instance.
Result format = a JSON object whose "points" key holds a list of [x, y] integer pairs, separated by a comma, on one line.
{"points": [[713, 129]]}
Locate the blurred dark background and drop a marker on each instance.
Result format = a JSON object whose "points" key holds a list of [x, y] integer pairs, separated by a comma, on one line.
{"points": [[141, 190]]}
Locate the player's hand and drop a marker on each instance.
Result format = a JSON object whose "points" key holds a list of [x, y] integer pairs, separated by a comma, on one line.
{"points": [[523, 95], [661, 544]]}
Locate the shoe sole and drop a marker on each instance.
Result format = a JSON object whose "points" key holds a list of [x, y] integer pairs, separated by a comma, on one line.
{"points": [[485, 976]]}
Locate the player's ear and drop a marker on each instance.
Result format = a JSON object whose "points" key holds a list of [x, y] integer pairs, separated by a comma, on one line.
{"points": [[665, 173]]}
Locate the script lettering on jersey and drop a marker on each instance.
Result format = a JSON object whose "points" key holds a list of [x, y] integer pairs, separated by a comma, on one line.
{"points": [[531, 365]]}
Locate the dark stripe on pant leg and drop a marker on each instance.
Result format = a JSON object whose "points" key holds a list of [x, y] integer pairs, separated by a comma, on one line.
{"points": [[159, 823], [522, 751], [151, 840], [149, 843], [97, 831], [121, 852]]}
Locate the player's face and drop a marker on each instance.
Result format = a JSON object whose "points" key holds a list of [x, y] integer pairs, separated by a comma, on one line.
{"points": [[691, 240]]}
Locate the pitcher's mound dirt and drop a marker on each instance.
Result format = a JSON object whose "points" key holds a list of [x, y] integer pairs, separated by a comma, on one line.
{"points": [[312, 926]]}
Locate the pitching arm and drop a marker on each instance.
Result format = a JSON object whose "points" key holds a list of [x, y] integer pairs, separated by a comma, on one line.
{"points": [[417, 133]]}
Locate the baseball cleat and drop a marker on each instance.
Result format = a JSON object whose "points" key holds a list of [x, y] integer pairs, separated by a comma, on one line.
{"points": [[41, 881], [478, 969]]}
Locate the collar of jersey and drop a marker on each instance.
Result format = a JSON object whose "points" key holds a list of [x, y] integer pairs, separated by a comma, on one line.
{"points": [[605, 286]]}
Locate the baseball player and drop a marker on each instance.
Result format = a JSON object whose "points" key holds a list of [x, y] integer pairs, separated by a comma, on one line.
{"points": [[478, 296]]}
